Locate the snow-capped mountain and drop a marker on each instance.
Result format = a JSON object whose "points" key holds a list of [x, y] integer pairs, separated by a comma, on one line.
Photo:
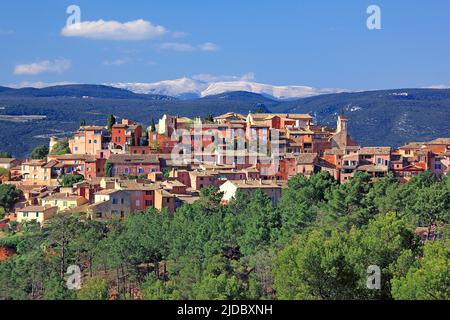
{"points": [[187, 88], [184, 88]]}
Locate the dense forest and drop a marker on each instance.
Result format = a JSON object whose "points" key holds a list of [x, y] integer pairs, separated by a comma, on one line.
{"points": [[317, 243]]}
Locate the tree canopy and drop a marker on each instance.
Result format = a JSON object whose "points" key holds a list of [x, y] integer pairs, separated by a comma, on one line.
{"points": [[320, 241], [40, 152]]}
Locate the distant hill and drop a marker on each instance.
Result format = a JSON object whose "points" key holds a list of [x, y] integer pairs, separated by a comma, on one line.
{"points": [[389, 117], [80, 91], [4, 89]]}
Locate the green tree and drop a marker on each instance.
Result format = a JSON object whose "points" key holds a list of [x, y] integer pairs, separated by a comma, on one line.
{"points": [[209, 118], [153, 126], [4, 154], [40, 152], [94, 288], [69, 180], [299, 202], [61, 147], [428, 278], [9, 195], [108, 169], [5, 174], [260, 221], [111, 122], [219, 282]]}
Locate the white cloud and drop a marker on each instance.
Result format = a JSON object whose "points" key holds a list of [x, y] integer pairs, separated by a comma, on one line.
{"points": [[45, 66], [114, 30], [187, 47], [209, 46], [116, 63], [176, 46], [250, 76]]}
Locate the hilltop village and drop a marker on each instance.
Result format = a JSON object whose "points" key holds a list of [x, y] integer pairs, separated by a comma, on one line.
{"points": [[123, 167]]}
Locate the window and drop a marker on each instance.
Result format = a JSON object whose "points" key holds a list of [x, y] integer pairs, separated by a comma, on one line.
{"points": [[140, 170], [148, 203], [380, 161], [25, 214], [122, 200], [76, 148], [65, 203], [114, 201], [90, 141], [138, 203], [148, 193], [95, 141]]}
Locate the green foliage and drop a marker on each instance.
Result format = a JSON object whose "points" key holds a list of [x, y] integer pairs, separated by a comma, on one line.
{"points": [[111, 122], [153, 125], [428, 278], [61, 147], [95, 288], [108, 169], [40, 152], [209, 118], [69, 180], [5, 174], [333, 266], [9, 195], [4, 154]]}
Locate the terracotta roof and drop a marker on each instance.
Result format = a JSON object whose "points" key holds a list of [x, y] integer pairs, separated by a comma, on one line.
{"points": [[133, 159], [63, 196], [293, 116], [136, 186], [440, 141], [34, 162], [6, 160], [106, 192], [412, 145], [33, 209], [307, 158], [92, 128], [335, 151], [372, 168], [73, 157], [255, 184], [230, 115], [375, 150]]}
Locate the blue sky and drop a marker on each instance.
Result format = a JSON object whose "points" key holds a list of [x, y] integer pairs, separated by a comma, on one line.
{"points": [[319, 43]]}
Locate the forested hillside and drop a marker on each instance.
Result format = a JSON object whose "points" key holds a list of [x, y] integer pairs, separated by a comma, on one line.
{"points": [[317, 243]]}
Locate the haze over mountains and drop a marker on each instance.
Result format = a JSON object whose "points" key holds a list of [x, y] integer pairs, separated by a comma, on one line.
{"points": [[29, 116], [189, 88]]}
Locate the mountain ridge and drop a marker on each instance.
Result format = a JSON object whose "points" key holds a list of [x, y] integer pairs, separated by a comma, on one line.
{"points": [[188, 88]]}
